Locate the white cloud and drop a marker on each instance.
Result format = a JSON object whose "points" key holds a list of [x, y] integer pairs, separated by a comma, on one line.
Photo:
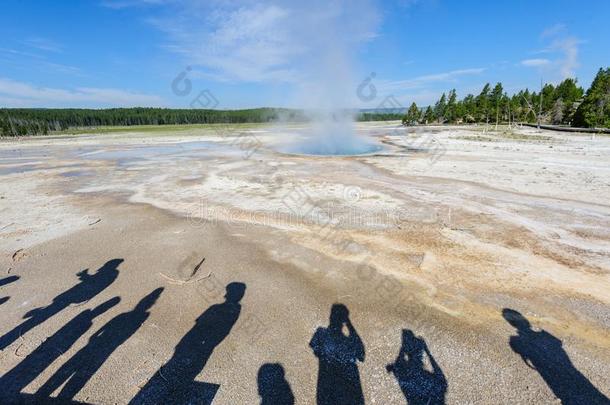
{"points": [[274, 41], [28, 60], [423, 90], [44, 44], [569, 62], [562, 51], [422, 81], [553, 30], [421, 98], [18, 94], [535, 62], [246, 44]]}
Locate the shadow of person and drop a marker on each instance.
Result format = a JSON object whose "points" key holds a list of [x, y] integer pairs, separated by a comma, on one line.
{"points": [[418, 385], [5, 281], [544, 353], [83, 365], [272, 385], [338, 354], [8, 280], [37, 361], [89, 287], [175, 381]]}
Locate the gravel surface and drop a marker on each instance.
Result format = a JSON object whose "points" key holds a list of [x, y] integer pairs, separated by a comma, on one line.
{"points": [[477, 275]]}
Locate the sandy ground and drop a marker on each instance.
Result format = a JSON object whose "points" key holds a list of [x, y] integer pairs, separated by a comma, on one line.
{"points": [[445, 233]]}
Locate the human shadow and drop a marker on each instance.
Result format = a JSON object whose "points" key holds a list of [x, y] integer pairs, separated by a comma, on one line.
{"points": [[544, 353], [7, 280], [272, 385], [90, 285], [418, 385], [52, 348], [75, 373], [338, 354], [175, 381]]}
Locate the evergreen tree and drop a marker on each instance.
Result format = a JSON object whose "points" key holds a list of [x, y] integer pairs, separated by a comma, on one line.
{"points": [[482, 104], [413, 115], [429, 116], [515, 107], [569, 91], [570, 94], [594, 111], [468, 111], [548, 98], [495, 100], [440, 107], [451, 107]]}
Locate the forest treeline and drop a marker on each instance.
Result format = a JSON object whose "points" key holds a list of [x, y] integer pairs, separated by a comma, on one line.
{"points": [[42, 121], [564, 104]]}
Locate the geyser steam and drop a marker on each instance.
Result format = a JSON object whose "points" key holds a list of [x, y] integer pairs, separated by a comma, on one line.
{"points": [[309, 45], [331, 133], [330, 34]]}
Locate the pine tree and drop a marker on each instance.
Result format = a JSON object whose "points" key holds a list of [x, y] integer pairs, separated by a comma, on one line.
{"points": [[482, 104], [429, 116], [495, 99], [450, 109], [440, 107], [549, 97], [468, 112], [594, 111], [570, 94], [413, 115]]}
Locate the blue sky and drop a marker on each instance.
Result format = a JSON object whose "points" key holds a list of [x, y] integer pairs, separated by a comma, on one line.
{"points": [[244, 53]]}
